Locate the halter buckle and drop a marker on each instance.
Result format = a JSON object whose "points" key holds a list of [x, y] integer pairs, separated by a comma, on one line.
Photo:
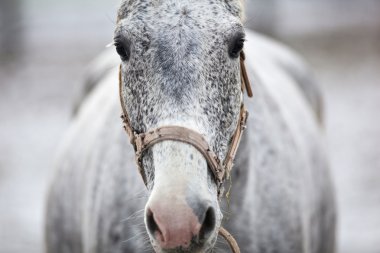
{"points": [[244, 119], [139, 142]]}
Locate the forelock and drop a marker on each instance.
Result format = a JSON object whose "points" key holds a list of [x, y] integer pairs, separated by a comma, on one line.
{"points": [[235, 7]]}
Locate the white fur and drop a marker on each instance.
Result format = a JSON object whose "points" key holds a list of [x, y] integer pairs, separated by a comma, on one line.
{"points": [[275, 200]]}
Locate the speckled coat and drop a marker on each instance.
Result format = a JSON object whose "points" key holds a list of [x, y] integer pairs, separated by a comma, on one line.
{"points": [[179, 71]]}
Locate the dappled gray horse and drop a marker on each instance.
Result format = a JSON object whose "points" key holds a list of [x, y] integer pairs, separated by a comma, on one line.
{"points": [[180, 67]]}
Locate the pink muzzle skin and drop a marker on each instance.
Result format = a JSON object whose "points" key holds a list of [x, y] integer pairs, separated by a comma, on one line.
{"points": [[170, 229]]}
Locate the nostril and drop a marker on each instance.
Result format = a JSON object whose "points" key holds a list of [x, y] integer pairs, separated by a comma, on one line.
{"points": [[151, 223], [208, 224]]}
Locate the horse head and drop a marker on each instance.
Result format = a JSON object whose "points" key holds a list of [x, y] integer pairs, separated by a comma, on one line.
{"points": [[180, 67]]}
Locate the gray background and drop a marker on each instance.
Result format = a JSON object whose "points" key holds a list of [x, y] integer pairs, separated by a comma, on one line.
{"points": [[45, 47]]}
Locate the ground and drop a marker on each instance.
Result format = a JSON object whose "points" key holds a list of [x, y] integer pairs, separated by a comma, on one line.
{"points": [[39, 87]]}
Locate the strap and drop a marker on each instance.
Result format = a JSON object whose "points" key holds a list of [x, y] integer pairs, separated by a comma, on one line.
{"points": [[176, 133], [220, 171], [230, 239], [245, 83], [242, 124]]}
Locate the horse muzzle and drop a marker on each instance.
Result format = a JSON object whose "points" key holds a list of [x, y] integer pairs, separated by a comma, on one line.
{"points": [[178, 225]]}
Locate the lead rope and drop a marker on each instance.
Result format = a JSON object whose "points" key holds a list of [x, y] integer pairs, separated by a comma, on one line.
{"points": [[230, 239]]}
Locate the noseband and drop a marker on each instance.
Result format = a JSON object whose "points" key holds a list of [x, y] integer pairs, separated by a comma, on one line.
{"points": [[221, 170]]}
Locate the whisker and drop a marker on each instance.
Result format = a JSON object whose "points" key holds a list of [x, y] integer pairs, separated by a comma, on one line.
{"points": [[133, 215], [219, 249], [136, 197], [139, 227], [222, 245], [134, 237], [226, 212], [139, 195], [146, 246], [141, 224]]}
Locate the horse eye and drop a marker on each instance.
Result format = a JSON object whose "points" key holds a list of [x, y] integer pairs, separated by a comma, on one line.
{"points": [[236, 46], [123, 49]]}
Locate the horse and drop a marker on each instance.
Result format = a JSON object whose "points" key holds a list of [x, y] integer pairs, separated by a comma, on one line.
{"points": [[178, 63]]}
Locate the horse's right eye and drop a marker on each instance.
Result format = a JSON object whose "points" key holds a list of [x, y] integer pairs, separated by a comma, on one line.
{"points": [[236, 45], [123, 49]]}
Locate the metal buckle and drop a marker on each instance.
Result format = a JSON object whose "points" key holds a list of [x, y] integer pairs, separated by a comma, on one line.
{"points": [[244, 119], [139, 142]]}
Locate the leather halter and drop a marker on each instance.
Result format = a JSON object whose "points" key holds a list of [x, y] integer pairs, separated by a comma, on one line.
{"points": [[143, 141]]}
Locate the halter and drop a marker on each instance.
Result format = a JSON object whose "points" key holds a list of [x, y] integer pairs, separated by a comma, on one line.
{"points": [[221, 170]]}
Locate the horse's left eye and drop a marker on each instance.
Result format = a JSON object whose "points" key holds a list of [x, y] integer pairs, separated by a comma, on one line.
{"points": [[236, 46], [123, 49]]}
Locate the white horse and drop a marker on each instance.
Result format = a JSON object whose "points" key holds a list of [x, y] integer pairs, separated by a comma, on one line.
{"points": [[180, 66]]}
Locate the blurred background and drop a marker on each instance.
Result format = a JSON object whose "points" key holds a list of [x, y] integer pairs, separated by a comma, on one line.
{"points": [[46, 45]]}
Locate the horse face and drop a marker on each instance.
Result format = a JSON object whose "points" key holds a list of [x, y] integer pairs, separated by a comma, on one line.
{"points": [[180, 67]]}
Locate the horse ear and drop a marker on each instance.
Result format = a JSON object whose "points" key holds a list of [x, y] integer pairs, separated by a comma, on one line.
{"points": [[236, 7], [242, 9]]}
